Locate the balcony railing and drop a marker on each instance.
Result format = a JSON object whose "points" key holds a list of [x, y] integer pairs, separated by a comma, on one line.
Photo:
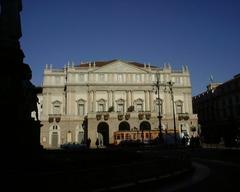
{"points": [[183, 116], [54, 117], [104, 114]]}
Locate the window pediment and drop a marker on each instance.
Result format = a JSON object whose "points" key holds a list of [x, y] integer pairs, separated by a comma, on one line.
{"points": [[56, 102], [158, 101], [101, 101], [81, 101], [120, 67], [120, 101], [179, 102], [138, 101]]}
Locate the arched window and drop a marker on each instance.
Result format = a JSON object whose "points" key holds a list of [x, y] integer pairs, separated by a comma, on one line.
{"points": [[145, 126], [124, 126], [56, 107]]}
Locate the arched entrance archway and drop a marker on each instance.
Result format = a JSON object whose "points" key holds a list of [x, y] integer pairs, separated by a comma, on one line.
{"points": [[103, 129], [145, 126], [124, 126]]}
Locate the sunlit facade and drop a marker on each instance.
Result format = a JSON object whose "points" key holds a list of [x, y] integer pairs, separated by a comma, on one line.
{"points": [[112, 101]]}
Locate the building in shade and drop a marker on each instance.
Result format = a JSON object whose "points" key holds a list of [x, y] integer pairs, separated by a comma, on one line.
{"points": [[112, 101], [218, 111]]}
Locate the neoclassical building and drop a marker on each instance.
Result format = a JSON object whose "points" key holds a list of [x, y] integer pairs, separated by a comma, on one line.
{"points": [[113, 101]]}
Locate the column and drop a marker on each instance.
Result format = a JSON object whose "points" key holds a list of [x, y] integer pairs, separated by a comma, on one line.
{"points": [[151, 100], [113, 100], [89, 101], [94, 101], [69, 97], [109, 99], [64, 104], [145, 100], [127, 99], [131, 97], [72, 103]]}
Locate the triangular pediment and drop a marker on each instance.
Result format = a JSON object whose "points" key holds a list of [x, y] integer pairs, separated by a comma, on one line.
{"points": [[119, 66]]}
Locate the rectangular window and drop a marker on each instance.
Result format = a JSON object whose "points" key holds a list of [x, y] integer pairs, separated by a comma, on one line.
{"points": [[120, 107], [56, 109], [119, 77], [153, 77], [80, 109], [139, 107], [102, 77], [138, 78], [179, 109], [81, 77], [101, 107]]}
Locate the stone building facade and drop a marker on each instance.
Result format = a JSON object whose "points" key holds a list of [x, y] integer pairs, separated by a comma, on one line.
{"points": [[218, 110], [113, 101]]}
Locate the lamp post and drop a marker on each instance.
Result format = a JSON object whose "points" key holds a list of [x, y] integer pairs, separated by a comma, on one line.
{"points": [[157, 85], [170, 85]]}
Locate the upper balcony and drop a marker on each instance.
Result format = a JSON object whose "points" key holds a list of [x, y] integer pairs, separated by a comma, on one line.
{"points": [[183, 116]]}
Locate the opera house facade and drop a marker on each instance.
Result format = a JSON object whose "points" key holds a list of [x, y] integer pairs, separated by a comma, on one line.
{"points": [[114, 101]]}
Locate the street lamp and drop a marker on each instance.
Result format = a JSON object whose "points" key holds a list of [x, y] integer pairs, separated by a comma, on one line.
{"points": [[157, 85], [170, 85]]}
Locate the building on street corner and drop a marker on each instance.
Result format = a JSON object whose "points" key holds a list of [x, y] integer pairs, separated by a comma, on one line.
{"points": [[113, 101], [218, 110]]}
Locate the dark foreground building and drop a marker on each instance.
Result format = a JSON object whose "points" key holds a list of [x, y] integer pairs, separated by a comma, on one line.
{"points": [[20, 133], [218, 111]]}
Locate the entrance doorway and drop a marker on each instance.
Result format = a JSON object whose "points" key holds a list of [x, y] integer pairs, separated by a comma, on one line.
{"points": [[103, 129], [124, 126], [145, 126], [54, 139]]}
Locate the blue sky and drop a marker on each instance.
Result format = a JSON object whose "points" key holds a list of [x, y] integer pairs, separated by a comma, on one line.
{"points": [[203, 34]]}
